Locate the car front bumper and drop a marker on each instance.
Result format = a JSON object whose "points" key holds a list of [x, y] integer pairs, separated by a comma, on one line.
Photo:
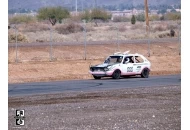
{"points": [[101, 73]]}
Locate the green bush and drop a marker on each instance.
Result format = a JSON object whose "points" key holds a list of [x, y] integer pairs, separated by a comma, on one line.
{"points": [[95, 15], [140, 17], [21, 19], [99, 14], [86, 15], [154, 18], [172, 16], [53, 14], [133, 19]]}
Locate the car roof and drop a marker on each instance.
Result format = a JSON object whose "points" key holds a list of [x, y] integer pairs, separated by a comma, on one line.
{"points": [[126, 54]]}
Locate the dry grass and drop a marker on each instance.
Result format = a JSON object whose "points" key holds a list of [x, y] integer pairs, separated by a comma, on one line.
{"points": [[34, 27], [39, 32], [69, 28]]}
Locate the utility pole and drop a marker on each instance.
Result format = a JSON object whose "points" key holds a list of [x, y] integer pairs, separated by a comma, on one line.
{"points": [[95, 4], [76, 6], [82, 6], [146, 14]]}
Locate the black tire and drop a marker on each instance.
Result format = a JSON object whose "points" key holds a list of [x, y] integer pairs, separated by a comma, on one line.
{"points": [[96, 77], [145, 73], [116, 74]]}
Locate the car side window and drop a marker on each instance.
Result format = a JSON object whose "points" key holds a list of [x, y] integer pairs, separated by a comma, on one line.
{"points": [[139, 59], [132, 59], [128, 60]]}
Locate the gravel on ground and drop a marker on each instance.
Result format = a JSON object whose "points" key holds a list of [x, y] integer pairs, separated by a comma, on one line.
{"points": [[145, 108]]}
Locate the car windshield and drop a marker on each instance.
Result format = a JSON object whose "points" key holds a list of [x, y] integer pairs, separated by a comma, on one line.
{"points": [[114, 59]]}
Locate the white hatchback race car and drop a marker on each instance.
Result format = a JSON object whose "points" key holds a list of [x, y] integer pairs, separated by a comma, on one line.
{"points": [[120, 65]]}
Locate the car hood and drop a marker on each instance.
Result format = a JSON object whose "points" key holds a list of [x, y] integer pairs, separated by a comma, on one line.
{"points": [[105, 64]]}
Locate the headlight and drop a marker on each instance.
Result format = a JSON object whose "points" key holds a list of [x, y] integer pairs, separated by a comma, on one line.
{"points": [[109, 68], [106, 69]]}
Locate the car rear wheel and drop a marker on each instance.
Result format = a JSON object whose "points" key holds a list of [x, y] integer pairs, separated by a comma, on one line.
{"points": [[96, 77], [116, 74], [145, 73]]}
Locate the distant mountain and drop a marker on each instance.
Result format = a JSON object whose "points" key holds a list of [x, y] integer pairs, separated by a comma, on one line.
{"points": [[70, 4]]}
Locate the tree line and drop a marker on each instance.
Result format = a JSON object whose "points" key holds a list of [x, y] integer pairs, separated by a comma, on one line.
{"points": [[119, 7], [58, 14]]}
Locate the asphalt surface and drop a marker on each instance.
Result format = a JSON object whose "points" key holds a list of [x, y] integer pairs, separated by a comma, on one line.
{"points": [[91, 85]]}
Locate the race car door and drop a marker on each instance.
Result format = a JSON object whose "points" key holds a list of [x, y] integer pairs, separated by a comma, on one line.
{"points": [[138, 64], [128, 66]]}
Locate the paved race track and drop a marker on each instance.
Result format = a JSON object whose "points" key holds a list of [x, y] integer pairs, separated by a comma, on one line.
{"points": [[91, 85]]}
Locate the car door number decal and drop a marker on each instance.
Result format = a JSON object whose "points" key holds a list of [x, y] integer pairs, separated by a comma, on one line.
{"points": [[129, 69]]}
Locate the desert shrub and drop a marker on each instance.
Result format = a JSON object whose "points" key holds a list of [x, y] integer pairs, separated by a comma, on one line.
{"points": [[21, 19], [20, 38], [169, 27], [172, 16], [159, 28], [172, 33], [86, 15], [69, 28], [163, 35], [162, 18], [121, 19], [140, 17], [133, 19], [76, 18], [154, 18], [89, 28], [137, 26], [33, 27], [121, 29]]}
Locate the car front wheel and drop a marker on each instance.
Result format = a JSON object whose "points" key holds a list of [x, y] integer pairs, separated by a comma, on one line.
{"points": [[116, 74]]}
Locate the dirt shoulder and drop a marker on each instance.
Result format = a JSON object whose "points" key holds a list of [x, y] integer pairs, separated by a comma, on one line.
{"points": [[132, 108], [69, 63]]}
